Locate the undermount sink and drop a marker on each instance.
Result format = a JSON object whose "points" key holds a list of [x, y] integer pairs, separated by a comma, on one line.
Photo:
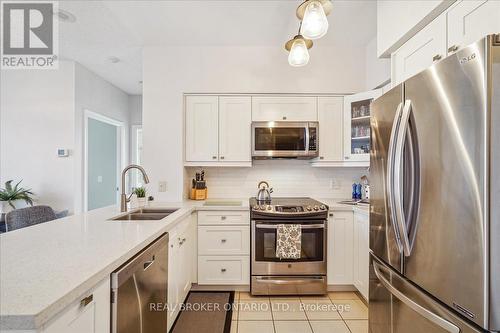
{"points": [[145, 214]]}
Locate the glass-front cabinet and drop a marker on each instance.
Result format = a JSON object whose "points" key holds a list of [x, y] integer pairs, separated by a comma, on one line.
{"points": [[357, 113]]}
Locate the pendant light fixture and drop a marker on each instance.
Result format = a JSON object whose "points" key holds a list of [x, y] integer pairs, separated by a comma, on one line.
{"points": [[313, 15], [298, 48]]}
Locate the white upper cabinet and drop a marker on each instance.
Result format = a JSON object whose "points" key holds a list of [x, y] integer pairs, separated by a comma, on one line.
{"points": [[357, 111], [235, 117], [330, 128], [469, 21], [284, 108], [427, 46], [202, 122]]}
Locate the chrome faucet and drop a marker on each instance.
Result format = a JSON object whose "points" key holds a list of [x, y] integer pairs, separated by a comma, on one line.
{"points": [[124, 199]]}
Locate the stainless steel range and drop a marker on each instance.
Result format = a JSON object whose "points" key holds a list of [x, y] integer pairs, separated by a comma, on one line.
{"points": [[272, 275]]}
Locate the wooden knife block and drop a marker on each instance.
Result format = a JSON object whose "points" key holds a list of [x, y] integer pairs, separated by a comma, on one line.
{"points": [[198, 194]]}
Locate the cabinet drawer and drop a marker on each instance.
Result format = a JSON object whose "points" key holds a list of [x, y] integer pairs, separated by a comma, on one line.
{"points": [[223, 217], [223, 270], [223, 240]]}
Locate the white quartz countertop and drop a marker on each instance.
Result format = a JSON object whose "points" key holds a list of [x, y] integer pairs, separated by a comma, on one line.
{"points": [[45, 268]]}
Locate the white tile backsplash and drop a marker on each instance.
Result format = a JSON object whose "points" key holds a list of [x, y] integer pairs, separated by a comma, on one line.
{"points": [[287, 177]]}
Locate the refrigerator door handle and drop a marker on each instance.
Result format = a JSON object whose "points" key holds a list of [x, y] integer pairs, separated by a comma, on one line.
{"points": [[441, 322], [390, 174], [398, 185]]}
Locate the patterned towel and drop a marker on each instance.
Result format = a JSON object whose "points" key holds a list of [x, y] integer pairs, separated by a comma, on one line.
{"points": [[288, 241]]}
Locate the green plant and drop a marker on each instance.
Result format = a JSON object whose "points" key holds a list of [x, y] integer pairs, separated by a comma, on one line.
{"points": [[10, 194], [140, 192]]}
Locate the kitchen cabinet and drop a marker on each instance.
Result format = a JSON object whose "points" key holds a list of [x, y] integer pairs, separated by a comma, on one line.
{"points": [[202, 128], [361, 252], [418, 53], [469, 21], [180, 265], [235, 118], [340, 248], [91, 314], [223, 247], [284, 108], [357, 127], [330, 116]]}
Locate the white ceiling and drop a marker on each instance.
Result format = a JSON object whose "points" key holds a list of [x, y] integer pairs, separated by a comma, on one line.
{"points": [[121, 28]]}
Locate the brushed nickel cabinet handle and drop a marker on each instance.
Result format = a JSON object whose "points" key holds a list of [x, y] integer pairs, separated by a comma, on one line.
{"points": [[436, 57], [347, 157], [214, 157], [223, 218], [222, 157], [284, 117], [321, 157], [453, 48], [223, 240], [223, 270], [87, 300]]}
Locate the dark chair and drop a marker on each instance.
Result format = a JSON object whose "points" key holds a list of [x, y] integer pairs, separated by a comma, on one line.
{"points": [[25, 217]]}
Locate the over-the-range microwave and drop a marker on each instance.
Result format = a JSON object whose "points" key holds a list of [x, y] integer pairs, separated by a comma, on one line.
{"points": [[283, 139]]}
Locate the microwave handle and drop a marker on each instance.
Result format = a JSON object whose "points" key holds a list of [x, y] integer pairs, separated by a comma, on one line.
{"points": [[307, 139], [275, 226]]}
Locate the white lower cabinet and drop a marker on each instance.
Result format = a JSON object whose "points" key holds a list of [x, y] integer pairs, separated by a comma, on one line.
{"points": [[181, 254], [361, 253], [91, 314], [340, 248], [223, 248]]}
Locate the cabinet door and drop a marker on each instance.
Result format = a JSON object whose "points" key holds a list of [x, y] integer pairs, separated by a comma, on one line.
{"points": [[361, 253], [202, 136], [173, 277], [330, 128], [235, 117], [93, 316], [357, 111], [288, 108], [418, 53], [469, 21], [340, 248]]}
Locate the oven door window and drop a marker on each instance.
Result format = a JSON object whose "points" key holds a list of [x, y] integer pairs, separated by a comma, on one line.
{"points": [[311, 245], [280, 138]]}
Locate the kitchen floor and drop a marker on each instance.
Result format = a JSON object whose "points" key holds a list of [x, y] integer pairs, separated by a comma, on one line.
{"points": [[337, 312]]}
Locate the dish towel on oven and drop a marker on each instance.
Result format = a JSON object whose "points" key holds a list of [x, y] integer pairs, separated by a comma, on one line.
{"points": [[288, 241]]}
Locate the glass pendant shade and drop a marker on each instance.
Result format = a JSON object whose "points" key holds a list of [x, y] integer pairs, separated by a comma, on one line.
{"points": [[299, 55], [315, 23]]}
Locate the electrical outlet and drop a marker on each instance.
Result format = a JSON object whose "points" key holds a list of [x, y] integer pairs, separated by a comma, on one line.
{"points": [[162, 186], [334, 184]]}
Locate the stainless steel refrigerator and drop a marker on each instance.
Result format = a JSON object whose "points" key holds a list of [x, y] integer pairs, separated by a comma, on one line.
{"points": [[435, 198]]}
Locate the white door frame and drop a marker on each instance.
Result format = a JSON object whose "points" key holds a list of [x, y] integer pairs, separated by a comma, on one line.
{"points": [[120, 161], [133, 153]]}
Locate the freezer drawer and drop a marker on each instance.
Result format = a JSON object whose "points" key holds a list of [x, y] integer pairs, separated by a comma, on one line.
{"points": [[397, 306]]}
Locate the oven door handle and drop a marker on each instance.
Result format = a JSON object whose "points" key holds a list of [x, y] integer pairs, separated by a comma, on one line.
{"points": [[275, 226], [288, 281]]}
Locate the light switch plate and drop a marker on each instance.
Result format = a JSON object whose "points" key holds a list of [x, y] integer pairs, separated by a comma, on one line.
{"points": [[162, 186]]}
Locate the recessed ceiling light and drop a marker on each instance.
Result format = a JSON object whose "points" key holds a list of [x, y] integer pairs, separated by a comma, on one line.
{"points": [[65, 16], [114, 59]]}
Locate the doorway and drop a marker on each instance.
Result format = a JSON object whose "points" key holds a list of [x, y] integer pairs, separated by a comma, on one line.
{"points": [[104, 147]]}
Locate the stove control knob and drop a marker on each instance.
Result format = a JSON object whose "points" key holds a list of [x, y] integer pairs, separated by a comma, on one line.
{"points": [[255, 207], [316, 207], [309, 208], [322, 207], [262, 207], [269, 207]]}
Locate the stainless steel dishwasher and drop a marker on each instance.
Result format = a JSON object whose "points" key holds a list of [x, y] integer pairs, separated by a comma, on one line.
{"points": [[139, 291]]}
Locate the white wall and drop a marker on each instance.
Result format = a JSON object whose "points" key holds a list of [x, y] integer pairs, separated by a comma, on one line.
{"points": [[398, 21], [378, 70], [36, 118], [97, 95], [41, 111], [288, 178], [170, 72]]}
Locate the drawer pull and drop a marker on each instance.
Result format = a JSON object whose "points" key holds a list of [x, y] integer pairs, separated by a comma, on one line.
{"points": [[223, 270], [223, 240], [453, 48], [87, 300], [436, 57], [214, 157], [284, 117], [223, 218], [222, 157]]}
